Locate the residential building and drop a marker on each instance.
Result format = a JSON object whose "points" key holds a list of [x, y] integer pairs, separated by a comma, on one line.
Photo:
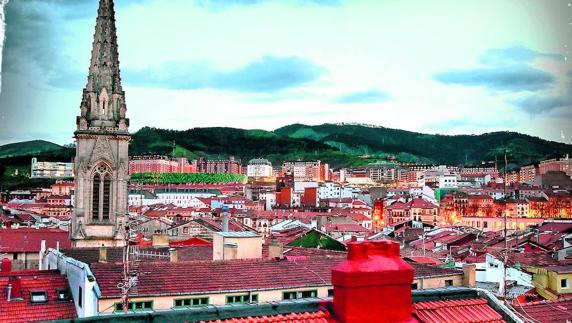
{"points": [[528, 173], [259, 168], [558, 165], [416, 209], [384, 173], [160, 164], [190, 289], [227, 166], [62, 188], [22, 245], [44, 169], [306, 171], [552, 282]]}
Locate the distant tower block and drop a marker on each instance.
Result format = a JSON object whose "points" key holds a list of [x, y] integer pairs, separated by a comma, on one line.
{"points": [[102, 142]]}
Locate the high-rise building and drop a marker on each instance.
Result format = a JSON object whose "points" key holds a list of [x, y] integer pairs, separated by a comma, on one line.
{"points": [[161, 164], [102, 142], [231, 165], [558, 165]]}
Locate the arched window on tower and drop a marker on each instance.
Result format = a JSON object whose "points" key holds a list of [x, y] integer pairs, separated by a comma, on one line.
{"points": [[106, 196], [101, 194]]}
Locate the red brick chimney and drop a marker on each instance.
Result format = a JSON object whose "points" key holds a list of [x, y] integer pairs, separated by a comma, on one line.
{"points": [[6, 265], [373, 284]]}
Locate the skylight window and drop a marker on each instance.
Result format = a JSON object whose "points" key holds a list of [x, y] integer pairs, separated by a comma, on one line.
{"points": [[64, 294], [39, 297]]}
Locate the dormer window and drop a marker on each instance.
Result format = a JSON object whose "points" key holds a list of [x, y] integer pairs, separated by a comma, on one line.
{"points": [[39, 296]]}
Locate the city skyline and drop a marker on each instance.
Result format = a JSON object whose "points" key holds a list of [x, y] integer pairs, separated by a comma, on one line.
{"points": [[437, 67]]}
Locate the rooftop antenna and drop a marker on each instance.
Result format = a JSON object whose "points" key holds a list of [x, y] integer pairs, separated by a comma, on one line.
{"points": [[130, 268], [506, 251]]}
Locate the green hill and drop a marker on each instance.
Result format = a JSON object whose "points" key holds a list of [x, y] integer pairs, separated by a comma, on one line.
{"points": [[339, 145], [27, 148], [440, 149], [245, 144]]}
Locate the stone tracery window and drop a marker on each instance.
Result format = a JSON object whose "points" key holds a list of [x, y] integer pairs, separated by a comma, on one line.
{"points": [[101, 193]]}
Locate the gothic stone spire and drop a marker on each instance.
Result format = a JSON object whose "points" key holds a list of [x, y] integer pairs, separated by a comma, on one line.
{"points": [[103, 104], [101, 168]]}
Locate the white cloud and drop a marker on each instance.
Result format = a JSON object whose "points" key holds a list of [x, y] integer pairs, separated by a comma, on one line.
{"points": [[392, 46]]}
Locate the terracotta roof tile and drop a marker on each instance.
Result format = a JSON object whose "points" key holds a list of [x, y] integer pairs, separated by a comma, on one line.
{"points": [[306, 317], [215, 276], [24, 311], [547, 311], [29, 239], [115, 254], [457, 311], [299, 270]]}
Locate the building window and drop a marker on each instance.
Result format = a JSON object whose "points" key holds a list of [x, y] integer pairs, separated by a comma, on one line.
{"points": [[38, 297], [300, 294], [141, 306], [106, 197], [101, 193], [448, 282], [191, 302], [331, 292], [564, 283], [242, 299], [95, 197], [80, 297], [414, 286]]}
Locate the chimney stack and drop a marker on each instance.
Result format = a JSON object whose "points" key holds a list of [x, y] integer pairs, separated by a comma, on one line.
{"points": [[173, 255], [15, 285], [42, 254], [103, 254], [275, 249], [6, 265], [373, 284], [225, 219], [470, 275], [160, 240]]}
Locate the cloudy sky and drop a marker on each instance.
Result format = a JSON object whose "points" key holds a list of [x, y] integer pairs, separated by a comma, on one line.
{"points": [[434, 66]]}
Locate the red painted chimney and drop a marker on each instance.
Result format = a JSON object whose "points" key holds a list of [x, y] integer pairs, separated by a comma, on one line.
{"points": [[16, 283], [6, 265], [373, 284]]}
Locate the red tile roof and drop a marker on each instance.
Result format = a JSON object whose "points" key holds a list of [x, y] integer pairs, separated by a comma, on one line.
{"points": [[165, 278], [546, 311], [115, 254], [216, 225], [301, 269], [289, 235], [345, 227], [456, 311], [561, 227], [321, 316], [29, 239], [425, 260], [194, 241], [24, 311], [419, 203]]}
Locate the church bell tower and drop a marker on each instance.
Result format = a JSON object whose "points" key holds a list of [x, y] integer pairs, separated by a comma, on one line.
{"points": [[102, 141]]}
